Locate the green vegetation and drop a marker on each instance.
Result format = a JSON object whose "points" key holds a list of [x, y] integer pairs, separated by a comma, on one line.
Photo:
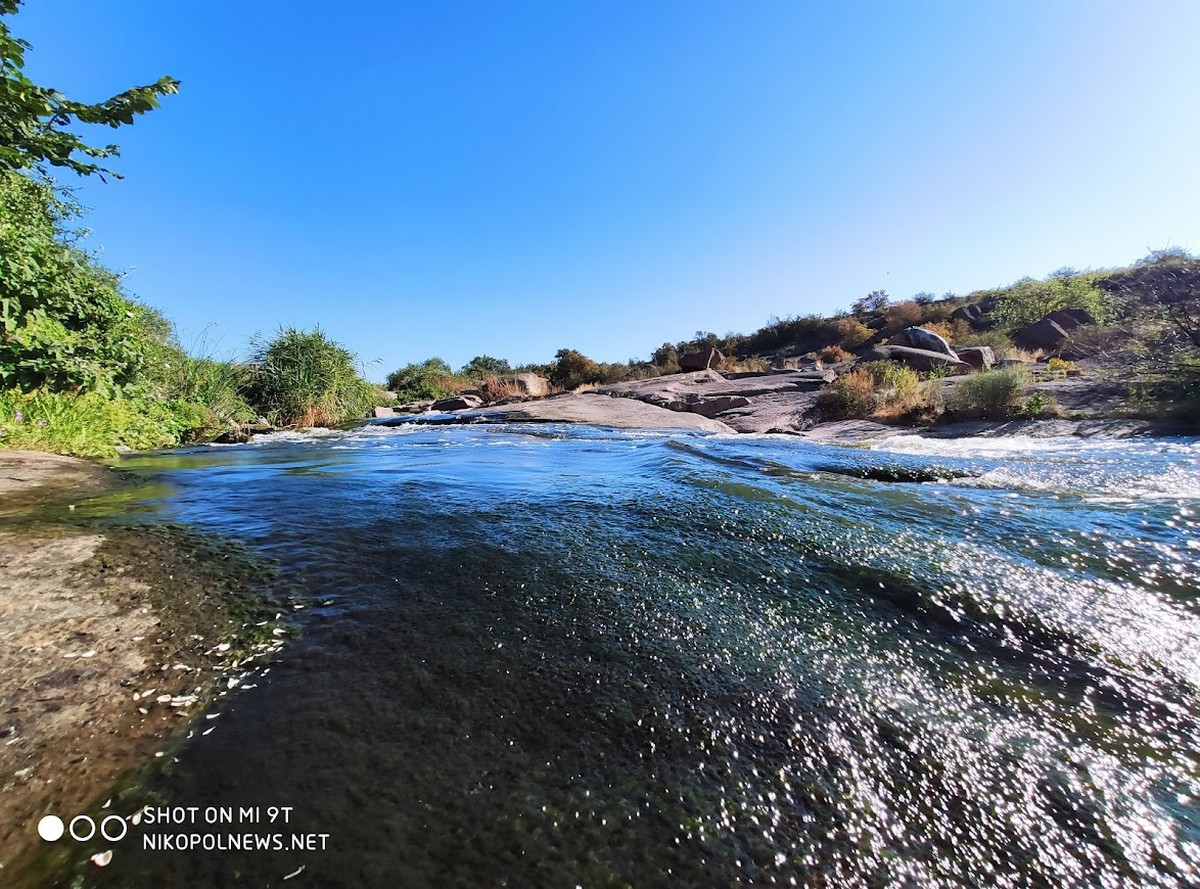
{"points": [[483, 366], [879, 389], [36, 121], [993, 394], [1028, 301], [65, 325], [303, 378], [430, 379], [93, 425]]}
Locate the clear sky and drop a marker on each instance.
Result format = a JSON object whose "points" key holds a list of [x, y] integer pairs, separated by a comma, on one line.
{"points": [[511, 178]]}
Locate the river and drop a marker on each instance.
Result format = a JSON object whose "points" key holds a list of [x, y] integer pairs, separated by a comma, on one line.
{"points": [[546, 655]]}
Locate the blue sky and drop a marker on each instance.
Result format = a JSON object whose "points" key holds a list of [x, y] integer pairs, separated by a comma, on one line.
{"points": [[512, 178]]}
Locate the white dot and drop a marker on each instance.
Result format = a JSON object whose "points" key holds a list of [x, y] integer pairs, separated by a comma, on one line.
{"points": [[51, 828]]}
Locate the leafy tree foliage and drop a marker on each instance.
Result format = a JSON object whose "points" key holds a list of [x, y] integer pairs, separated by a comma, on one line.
{"points": [[34, 120], [572, 368], [420, 382], [1028, 300], [64, 324], [875, 301], [484, 366]]}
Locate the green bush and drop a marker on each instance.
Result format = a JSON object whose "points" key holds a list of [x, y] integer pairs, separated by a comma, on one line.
{"points": [[1029, 301], [64, 324], [572, 369], [483, 366], [806, 334], [993, 394], [877, 389], [430, 379], [303, 378]]}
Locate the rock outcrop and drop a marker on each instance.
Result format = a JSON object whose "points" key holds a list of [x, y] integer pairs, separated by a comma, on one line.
{"points": [[575, 407], [769, 402], [705, 358], [979, 357], [923, 338], [918, 359], [1046, 335], [462, 402]]}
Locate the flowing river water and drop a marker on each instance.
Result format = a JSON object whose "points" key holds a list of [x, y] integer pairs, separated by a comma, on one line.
{"points": [[568, 656]]}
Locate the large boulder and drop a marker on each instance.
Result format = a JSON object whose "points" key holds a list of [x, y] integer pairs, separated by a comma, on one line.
{"points": [[705, 358], [922, 338], [458, 403], [524, 385], [918, 359], [1070, 319], [1046, 335], [979, 357], [970, 314], [378, 412]]}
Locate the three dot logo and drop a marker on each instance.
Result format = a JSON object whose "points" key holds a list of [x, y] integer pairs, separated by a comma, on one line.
{"points": [[83, 828]]}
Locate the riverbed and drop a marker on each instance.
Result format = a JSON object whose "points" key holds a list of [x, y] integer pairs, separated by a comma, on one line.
{"points": [[550, 655]]}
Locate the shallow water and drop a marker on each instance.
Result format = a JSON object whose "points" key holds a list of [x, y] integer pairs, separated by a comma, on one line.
{"points": [[560, 656]]}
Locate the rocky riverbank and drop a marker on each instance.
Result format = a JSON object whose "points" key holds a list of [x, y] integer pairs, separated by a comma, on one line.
{"points": [[113, 642], [783, 401]]}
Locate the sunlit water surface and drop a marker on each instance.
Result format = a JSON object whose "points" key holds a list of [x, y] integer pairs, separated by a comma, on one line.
{"points": [[556, 656]]}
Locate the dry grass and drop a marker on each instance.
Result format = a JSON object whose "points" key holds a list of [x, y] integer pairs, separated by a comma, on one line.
{"points": [[881, 390], [902, 315], [853, 332], [942, 329], [1015, 354], [746, 365], [498, 389], [834, 355]]}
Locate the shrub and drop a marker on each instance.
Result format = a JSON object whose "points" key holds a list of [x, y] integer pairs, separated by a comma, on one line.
{"points": [[303, 378], [572, 369], [942, 329], [851, 395], [1029, 301], [834, 355], [1039, 404], [430, 379], [875, 301], [1059, 367], [851, 332], [216, 386], [992, 394], [902, 315], [482, 366], [878, 389], [1000, 341], [805, 333], [498, 389], [746, 365], [65, 325], [666, 356]]}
